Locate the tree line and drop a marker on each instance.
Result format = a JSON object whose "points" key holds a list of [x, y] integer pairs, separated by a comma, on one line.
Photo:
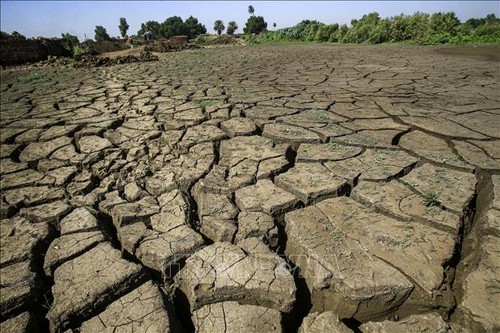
{"points": [[418, 28]]}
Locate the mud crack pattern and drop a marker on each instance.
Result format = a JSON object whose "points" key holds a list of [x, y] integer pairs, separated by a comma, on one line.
{"points": [[307, 188]]}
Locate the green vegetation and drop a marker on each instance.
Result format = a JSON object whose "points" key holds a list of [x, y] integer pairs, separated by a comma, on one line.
{"points": [[432, 199], [231, 27], [418, 28], [80, 50], [36, 76], [174, 26], [101, 34], [71, 39], [255, 25], [123, 27], [219, 27], [14, 35]]}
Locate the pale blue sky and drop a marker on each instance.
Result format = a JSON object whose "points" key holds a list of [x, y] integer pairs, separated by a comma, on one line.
{"points": [[51, 18]]}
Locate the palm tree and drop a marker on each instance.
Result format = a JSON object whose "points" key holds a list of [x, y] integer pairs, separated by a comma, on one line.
{"points": [[274, 25], [231, 28], [219, 26], [251, 10]]}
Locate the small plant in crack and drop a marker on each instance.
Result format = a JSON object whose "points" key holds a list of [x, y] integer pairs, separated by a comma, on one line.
{"points": [[333, 145], [218, 210], [432, 199]]}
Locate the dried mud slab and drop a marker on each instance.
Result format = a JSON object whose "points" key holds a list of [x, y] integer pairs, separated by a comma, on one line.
{"points": [[455, 188], [282, 133], [355, 230], [243, 160], [432, 148], [310, 181], [21, 239], [231, 317], [326, 152], [265, 197], [341, 275], [323, 322], [431, 322], [141, 310], [373, 165], [17, 287], [159, 237], [224, 272], [480, 299], [89, 281], [23, 323]]}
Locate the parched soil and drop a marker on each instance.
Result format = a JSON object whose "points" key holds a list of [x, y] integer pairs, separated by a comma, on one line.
{"points": [[275, 188]]}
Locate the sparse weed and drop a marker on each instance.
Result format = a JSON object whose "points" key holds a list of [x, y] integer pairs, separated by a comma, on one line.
{"points": [[80, 50], [218, 210], [209, 102], [432, 199], [34, 77]]}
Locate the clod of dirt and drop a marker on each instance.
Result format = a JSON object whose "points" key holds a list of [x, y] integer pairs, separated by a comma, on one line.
{"points": [[23, 323], [323, 322], [89, 281], [224, 272], [140, 310], [232, 317], [431, 322]]}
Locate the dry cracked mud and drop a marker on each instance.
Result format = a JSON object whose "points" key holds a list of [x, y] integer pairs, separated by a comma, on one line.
{"points": [[291, 188]]}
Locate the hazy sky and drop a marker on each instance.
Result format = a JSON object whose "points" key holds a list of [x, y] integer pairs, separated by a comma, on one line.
{"points": [[51, 18]]}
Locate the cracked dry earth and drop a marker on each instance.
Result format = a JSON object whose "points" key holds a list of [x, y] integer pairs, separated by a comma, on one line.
{"points": [[310, 188]]}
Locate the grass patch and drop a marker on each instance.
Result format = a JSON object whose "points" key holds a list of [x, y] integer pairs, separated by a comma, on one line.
{"points": [[209, 102]]}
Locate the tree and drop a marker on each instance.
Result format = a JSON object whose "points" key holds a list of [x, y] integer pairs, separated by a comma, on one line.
{"points": [[274, 25], [219, 26], [152, 26], [231, 28], [123, 27], [173, 26], [16, 35], [193, 27], [4, 35], [251, 10], [101, 34], [255, 25], [73, 40]]}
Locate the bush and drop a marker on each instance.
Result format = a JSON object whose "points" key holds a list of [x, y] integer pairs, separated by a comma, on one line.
{"points": [[80, 50]]}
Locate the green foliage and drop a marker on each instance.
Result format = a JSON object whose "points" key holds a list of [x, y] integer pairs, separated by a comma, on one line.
{"points": [[231, 28], [432, 199], [80, 50], [101, 34], [17, 35], [219, 27], [73, 40], [194, 28], [174, 26], [255, 25], [152, 26], [123, 27], [14, 35], [35, 77], [418, 28], [251, 10]]}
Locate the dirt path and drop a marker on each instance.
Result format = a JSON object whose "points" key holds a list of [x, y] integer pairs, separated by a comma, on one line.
{"points": [[258, 188]]}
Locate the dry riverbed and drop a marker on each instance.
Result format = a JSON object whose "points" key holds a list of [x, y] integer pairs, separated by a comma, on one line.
{"points": [[311, 188]]}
